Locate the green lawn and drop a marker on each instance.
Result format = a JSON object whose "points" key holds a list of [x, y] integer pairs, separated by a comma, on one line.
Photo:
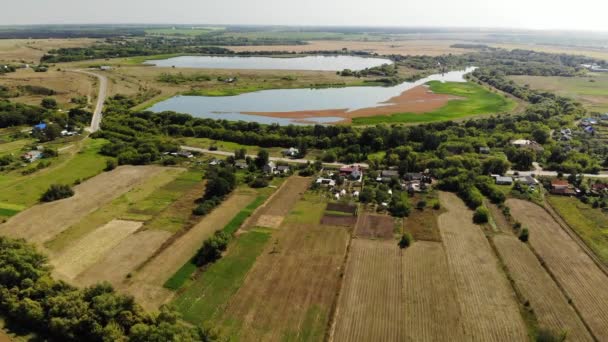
{"points": [[477, 101], [24, 191], [210, 292], [14, 146], [590, 224], [308, 210]]}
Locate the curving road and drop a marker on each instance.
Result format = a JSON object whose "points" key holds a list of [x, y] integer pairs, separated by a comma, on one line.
{"points": [[101, 98]]}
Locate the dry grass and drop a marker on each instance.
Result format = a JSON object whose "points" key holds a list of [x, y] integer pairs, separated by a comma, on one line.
{"points": [[44, 221], [580, 278], [123, 259], [289, 292], [90, 249], [375, 226], [487, 302], [403, 47], [147, 284], [536, 286]]}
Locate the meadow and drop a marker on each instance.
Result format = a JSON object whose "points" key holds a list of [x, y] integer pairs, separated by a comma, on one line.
{"points": [[476, 100]]}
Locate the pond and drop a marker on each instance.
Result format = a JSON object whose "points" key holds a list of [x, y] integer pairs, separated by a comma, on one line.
{"points": [[315, 63], [295, 100]]}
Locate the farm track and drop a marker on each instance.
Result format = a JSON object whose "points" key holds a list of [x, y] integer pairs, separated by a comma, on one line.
{"points": [[583, 282], [488, 305]]}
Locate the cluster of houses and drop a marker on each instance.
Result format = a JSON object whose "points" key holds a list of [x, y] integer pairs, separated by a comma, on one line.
{"points": [[507, 180], [271, 168], [595, 67], [587, 125]]}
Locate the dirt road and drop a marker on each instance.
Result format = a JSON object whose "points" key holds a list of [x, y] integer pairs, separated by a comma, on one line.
{"points": [[101, 98]]}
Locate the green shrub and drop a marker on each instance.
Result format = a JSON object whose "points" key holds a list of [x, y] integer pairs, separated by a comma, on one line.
{"points": [[57, 192], [481, 215], [212, 249], [524, 235], [406, 240]]}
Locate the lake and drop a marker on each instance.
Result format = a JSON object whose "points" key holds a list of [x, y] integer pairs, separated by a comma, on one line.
{"points": [[294, 100], [315, 63]]}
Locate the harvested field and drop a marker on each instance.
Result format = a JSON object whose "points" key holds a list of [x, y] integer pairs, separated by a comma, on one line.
{"points": [[577, 274], [339, 220], [147, 284], [536, 286], [87, 251], [273, 212], [404, 47], [375, 226], [42, 222], [422, 224], [31, 50], [411, 297], [341, 207], [124, 258], [489, 308], [276, 302]]}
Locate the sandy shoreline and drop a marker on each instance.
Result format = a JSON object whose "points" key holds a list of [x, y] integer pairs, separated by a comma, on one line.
{"points": [[416, 100]]}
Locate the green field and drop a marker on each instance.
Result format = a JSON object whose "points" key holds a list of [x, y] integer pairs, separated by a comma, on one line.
{"points": [[24, 191], [590, 224], [195, 31], [210, 292], [477, 101], [141, 203], [591, 90]]}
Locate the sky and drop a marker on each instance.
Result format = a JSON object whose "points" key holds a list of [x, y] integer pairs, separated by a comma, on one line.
{"points": [[525, 14]]}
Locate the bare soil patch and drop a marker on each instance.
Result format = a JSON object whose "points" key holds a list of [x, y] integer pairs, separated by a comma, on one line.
{"points": [[124, 258], [289, 292], [91, 248], [489, 307], [416, 100], [338, 220], [342, 207], [536, 286], [147, 284], [375, 226], [574, 270], [44, 221], [282, 201]]}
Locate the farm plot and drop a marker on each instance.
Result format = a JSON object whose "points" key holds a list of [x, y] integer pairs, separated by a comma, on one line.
{"points": [[289, 292], [42, 222], [123, 259], [487, 302], [375, 226], [422, 224], [580, 278], [147, 284], [536, 286], [86, 252], [271, 215], [411, 297], [338, 214]]}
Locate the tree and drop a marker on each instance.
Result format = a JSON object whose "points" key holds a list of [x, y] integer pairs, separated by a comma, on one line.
{"points": [[524, 235], [367, 195], [262, 158], [241, 153], [406, 240], [481, 215], [540, 135], [212, 248], [49, 103], [56, 192], [111, 164]]}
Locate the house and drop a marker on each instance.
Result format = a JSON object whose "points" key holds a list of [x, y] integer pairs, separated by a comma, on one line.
{"points": [[269, 167], [40, 126], [604, 117], [527, 180], [413, 176], [387, 175], [282, 169], [502, 180], [185, 154], [67, 133], [588, 122], [524, 143], [589, 130], [599, 188], [326, 182], [105, 68], [484, 150], [241, 164], [32, 156], [215, 162], [562, 187], [292, 152], [353, 172]]}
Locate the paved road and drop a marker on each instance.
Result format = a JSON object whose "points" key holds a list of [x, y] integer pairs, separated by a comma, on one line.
{"points": [[276, 159], [101, 99], [543, 173]]}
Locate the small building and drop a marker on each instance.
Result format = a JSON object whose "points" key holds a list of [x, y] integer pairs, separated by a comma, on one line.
{"points": [[353, 172], [589, 129], [32, 156], [326, 182], [185, 154], [562, 187], [292, 152], [269, 168], [524, 143], [40, 126], [215, 162], [503, 180], [241, 164], [484, 150], [599, 188], [282, 169], [387, 175], [527, 180]]}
